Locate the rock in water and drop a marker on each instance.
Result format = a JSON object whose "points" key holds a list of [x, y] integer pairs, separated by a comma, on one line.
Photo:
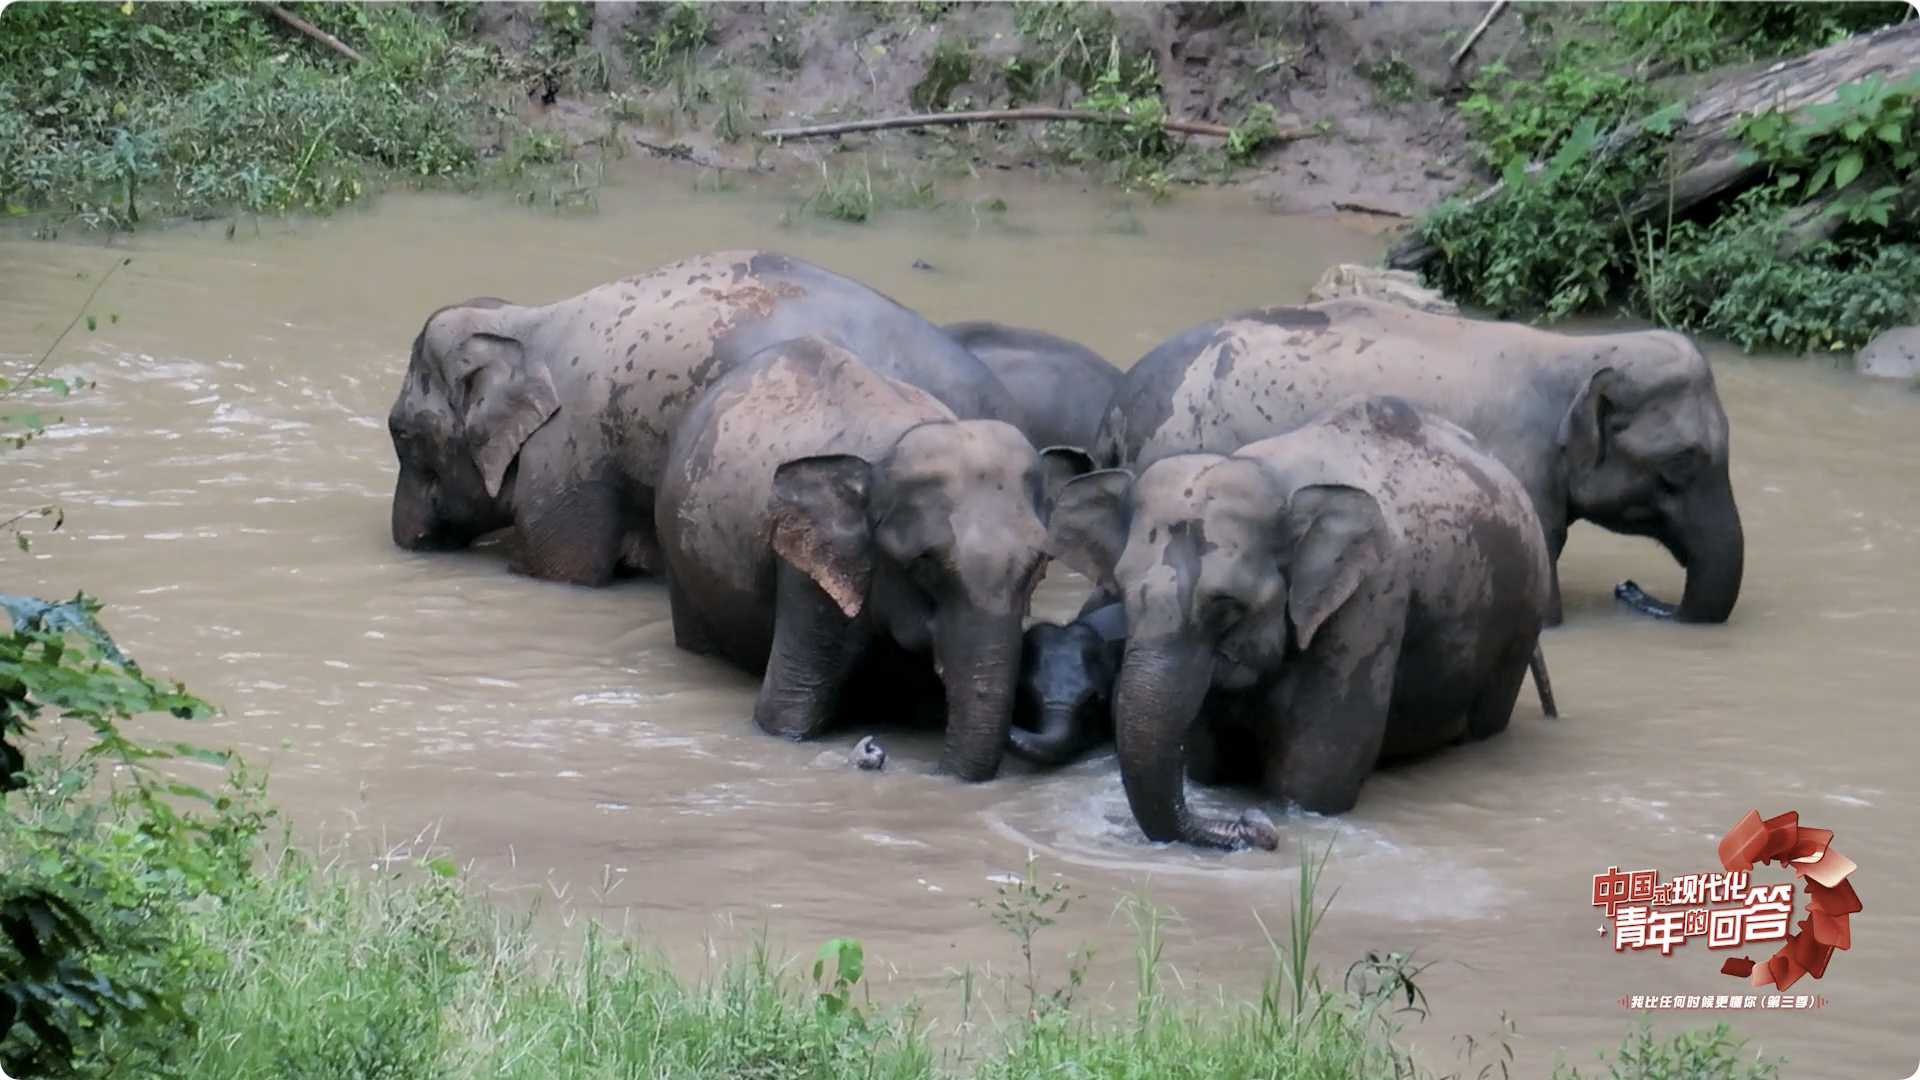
{"points": [[868, 755], [1392, 286], [1893, 354]]}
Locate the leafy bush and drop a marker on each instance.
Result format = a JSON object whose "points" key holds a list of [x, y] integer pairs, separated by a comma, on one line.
{"points": [[1818, 256], [109, 112], [95, 969]]}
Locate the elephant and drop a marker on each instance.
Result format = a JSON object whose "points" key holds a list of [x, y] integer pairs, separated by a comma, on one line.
{"points": [[1064, 702], [814, 511], [1061, 387], [554, 420], [1369, 586], [1624, 429]]}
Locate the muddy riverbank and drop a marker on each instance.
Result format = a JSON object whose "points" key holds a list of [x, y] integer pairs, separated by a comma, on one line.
{"points": [[226, 491]]}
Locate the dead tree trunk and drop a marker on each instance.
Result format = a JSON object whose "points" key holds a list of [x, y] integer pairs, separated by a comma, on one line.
{"points": [[1706, 155]]}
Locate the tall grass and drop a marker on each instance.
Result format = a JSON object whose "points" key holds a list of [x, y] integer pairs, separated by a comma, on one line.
{"points": [[110, 113]]}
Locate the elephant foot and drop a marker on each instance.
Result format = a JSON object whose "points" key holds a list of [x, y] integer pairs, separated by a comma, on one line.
{"points": [[1632, 595]]}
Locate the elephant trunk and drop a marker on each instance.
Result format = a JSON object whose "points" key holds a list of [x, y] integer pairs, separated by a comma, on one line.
{"points": [[1716, 555], [979, 659], [1055, 741], [415, 523], [1157, 698]]}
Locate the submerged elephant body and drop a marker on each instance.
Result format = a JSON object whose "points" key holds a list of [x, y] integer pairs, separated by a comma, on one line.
{"points": [[554, 420], [1367, 586], [813, 510], [1624, 430], [1060, 388]]}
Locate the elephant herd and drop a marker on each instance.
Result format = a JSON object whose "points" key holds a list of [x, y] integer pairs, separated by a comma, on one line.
{"points": [[1320, 536]]}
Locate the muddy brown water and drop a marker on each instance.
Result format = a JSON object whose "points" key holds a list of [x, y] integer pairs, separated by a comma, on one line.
{"points": [[226, 491]]}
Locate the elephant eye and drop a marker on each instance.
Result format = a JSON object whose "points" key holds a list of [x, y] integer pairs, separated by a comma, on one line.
{"points": [[927, 571], [1227, 610], [1678, 473]]}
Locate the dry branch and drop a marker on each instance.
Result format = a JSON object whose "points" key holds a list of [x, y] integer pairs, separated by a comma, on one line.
{"points": [[314, 32], [1705, 152], [998, 116], [1492, 14]]}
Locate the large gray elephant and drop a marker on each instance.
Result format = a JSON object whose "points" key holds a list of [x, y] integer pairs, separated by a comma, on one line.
{"points": [[1624, 430], [1060, 387], [554, 420], [1370, 585], [813, 508]]}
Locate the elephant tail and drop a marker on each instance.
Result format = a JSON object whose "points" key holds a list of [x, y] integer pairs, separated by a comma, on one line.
{"points": [[1542, 684]]}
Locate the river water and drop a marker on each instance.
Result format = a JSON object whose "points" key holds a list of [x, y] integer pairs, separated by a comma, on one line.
{"points": [[226, 491]]}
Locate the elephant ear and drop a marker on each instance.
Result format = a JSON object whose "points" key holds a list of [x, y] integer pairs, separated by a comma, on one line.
{"points": [[502, 396], [819, 519], [1340, 537], [1059, 465], [1087, 529], [1588, 426]]}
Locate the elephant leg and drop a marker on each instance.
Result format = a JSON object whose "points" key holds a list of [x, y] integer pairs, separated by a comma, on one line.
{"points": [[1553, 617], [640, 547], [1492, 708], [1203, 752], [690, 631], [1335, 722], [572, 536], [815, 648]]}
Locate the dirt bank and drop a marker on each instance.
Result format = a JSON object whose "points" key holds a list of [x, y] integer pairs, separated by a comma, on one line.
{"points": [[1370, 82]]}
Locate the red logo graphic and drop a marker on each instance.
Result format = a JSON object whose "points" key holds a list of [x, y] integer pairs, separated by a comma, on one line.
{"points": [[1650, 914], [1830, 896]]}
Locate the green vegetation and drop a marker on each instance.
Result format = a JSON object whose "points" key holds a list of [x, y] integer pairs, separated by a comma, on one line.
{"points": [[114, 112], [1821, 254]]}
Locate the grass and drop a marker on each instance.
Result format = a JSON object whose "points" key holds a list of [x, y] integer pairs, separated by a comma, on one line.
{"points": [[333, 971], [111, 115]]}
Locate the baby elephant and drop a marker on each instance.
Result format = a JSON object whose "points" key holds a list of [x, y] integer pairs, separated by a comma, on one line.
{"points": [[1064, 704], [815, 514], [1367, 586]]}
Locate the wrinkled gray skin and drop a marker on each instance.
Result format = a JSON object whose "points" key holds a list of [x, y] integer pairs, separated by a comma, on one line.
{"points": [[1061, 388], [1064, 704], [554, 420], [1368, 586], [813, 510], [1624, 430]]}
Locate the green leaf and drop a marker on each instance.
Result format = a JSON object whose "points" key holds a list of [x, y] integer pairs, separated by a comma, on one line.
{"points": [[91, 323], [1820, 178], [1891, 134], [1515, 174], [1661, 122], [443, 867], [1848, 169]]}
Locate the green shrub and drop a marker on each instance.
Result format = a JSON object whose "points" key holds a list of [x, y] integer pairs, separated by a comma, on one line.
{"points": [[1818, 255]]}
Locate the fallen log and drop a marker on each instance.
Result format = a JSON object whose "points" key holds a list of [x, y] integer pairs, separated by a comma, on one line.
{"points": [[1706, 158], [314, 32], [999, 116]]}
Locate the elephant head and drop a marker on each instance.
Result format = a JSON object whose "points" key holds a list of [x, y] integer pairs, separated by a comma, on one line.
{"points": [[1225, 568], [1644, 451], [939, 543], [473, 395], [1066, 684]]}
